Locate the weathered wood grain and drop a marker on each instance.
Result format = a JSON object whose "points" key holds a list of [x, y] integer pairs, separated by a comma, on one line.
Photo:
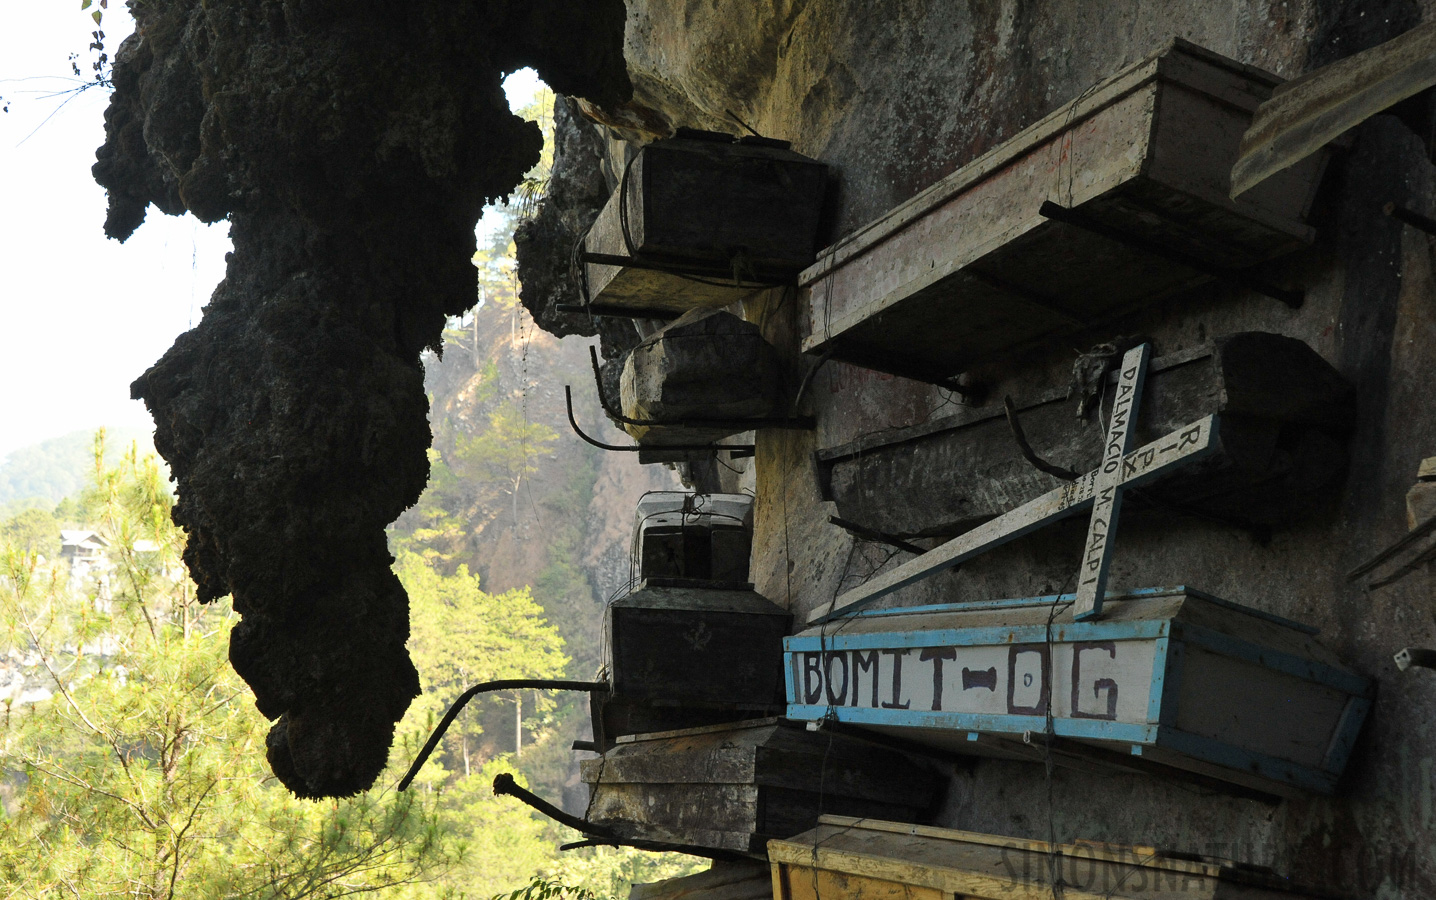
{"points": [[1307, 113], [971, 269], [772, 778], [1286, 415], [880, 860], [1131, 469], [1169, 678], [736, 216]]}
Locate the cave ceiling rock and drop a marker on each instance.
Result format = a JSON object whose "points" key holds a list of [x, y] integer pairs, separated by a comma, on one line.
{"points": [[352, 147]]}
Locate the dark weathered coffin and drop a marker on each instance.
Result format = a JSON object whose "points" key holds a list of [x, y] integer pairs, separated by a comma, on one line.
{"points": [[732, 216], [970, 268], [686, 656], [702, 538], [738, 879], [850, 859], [1285, 411], [732, 787], [699, 379], [1173, 677]]}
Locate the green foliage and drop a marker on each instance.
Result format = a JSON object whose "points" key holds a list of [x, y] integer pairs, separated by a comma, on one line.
{"points": [[609, 871], [461, 635], [504, 453], [541, 889], [52, 470], [34, 530], [143, 774], [469, 485]]}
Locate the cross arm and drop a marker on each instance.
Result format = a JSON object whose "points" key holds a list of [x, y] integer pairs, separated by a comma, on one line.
{"points": [[1050, 507]]}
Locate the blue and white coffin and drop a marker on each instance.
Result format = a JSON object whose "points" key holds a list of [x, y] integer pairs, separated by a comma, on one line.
{"points": [[1172, 675]]}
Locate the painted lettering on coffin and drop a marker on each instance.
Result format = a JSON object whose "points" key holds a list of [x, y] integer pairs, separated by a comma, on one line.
{"points": [[1086, 680]]}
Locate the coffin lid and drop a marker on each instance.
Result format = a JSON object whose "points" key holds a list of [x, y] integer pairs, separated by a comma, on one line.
{"points": [[984, 865], [699, 599], [1166, 63], [1180, 605]]}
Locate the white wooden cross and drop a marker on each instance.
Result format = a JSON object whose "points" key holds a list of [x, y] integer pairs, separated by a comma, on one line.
{"points": [[1102, 490]]}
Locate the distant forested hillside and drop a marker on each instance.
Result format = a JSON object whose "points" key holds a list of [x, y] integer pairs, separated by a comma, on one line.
{"points": [[52, 470]]}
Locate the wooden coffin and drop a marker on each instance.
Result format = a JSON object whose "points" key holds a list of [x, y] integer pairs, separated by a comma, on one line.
{"points": [[971, 268], [1286, 416], [686, 656], [739, 879], [706, 376], [863, 859], [705, 539], [708, 220], [733, 787], [1175, 676]]}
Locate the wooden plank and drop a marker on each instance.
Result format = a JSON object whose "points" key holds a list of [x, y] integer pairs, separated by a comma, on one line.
{"points": [[1093, 849], [1132, 78], [1050, 507], [971, 269], [807, 884], [1107, 488], [1304, 115], [1137, 467], [988, 872], [968, 467], [1251, 706]]}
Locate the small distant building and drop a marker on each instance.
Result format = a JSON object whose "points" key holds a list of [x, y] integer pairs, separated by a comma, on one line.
{"points": [[82, 545], [87, 552]]}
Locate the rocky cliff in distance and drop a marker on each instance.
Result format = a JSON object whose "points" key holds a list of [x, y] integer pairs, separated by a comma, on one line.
{"points": [[497, 413]]}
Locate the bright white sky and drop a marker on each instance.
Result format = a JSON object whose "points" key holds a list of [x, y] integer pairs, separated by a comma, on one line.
{"points": [[81, 316]]}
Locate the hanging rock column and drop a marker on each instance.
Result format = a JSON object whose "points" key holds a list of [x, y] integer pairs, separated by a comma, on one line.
{"points": [[352, 147]]}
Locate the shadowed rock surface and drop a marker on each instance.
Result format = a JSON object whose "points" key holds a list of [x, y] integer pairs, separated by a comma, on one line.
{"points": [[546, 245], [352, 147]]}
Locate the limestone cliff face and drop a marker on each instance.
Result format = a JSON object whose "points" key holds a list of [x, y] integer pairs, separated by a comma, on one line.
{"points": [[352, 146], [896, 95]]}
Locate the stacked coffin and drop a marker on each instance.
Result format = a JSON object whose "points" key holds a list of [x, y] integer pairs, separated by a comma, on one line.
{"points": [[703, 220], [733, 787], [694, 655], [1286, 417], [1171, 679], [845, 858], [706, 376], [692, 644], [1104, 205]]}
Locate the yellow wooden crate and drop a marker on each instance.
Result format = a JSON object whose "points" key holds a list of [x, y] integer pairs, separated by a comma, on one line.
{"points": [[868, 859]]}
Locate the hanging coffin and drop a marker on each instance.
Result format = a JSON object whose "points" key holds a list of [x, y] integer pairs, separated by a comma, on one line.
{"points": [[1286, 417], [733, 787], [686, 656], [707, 376], [694, 540], [863, 859], [1172, 677], [702, 220], [1114, 200], [692, 644]]}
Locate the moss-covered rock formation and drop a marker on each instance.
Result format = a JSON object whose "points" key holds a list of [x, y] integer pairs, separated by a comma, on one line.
{"points": [[352, 146]]}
